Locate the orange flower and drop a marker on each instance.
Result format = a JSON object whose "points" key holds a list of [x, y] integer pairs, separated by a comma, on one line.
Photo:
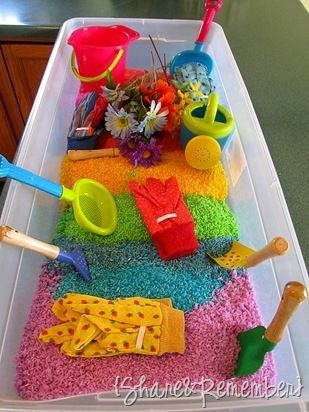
{"points": [[167, 98], [146, 90], [162, 87], [165, 93]]}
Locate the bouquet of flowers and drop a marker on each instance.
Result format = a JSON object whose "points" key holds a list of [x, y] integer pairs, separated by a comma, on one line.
{"points": [[138, 114], [141, 113]]}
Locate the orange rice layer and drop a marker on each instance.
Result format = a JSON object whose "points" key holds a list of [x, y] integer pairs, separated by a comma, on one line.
{"points": [[115, 174]]}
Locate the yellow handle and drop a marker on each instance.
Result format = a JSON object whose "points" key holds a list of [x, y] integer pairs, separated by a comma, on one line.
{"points": [[14, 237], [99, 76], [278, 246], [88, 154], [293, 295]]}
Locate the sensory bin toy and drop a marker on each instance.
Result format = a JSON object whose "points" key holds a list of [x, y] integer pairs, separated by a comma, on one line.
{"points": [[162, 298]]}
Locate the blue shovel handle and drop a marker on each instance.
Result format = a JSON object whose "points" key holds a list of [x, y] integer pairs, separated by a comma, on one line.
{"points": [[11, 171], [199, 45]]}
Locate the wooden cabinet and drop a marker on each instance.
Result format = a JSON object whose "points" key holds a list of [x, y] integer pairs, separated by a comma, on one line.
{"points": [[21, 69], [26, 64], [11, 123], [8, 142]]}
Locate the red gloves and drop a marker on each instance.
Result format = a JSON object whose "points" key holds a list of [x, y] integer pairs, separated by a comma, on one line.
{"points": [[166, 217]]}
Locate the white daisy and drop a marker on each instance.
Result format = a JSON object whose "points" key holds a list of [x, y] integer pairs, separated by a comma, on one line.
{"points": [[120, 123], [154, 121]]}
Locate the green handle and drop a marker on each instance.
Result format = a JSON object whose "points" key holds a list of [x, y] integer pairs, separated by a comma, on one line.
{"points": [[212, 108], [67, 194]]}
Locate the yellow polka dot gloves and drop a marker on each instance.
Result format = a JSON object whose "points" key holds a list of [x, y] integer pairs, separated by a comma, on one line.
{"points": [[95, 327], [166, 217]]}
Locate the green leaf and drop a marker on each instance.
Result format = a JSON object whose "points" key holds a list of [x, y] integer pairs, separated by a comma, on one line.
{"points": [[110, 83]]}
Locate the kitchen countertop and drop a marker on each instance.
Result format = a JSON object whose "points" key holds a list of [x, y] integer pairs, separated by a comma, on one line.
{"points": [[267, 39]]}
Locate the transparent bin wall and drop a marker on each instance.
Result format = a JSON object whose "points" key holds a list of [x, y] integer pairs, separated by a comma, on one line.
{"points": [[255, 198]]}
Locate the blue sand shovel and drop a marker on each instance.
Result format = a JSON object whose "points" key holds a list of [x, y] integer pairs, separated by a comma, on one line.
{"points": [[197, 55], [75, 258]]}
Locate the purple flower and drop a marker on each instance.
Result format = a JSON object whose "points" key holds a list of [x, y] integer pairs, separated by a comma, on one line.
{"points": [[128, 144], [147, 154], [138, 151]]}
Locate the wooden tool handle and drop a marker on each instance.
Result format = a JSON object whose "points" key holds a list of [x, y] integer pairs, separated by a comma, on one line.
{"points": [[88, 154], [278, 246], [293, 295], [13, 237]]}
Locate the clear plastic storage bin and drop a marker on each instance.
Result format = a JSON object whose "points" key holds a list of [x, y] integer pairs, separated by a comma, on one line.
{"points": [[255, 197]]}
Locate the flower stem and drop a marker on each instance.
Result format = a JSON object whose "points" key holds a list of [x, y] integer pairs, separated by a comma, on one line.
{"points": [[158, 55]]}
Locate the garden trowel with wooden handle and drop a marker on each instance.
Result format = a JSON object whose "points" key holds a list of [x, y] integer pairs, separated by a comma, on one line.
{"points": [[75, 257], [256, 342], [241, 255]]}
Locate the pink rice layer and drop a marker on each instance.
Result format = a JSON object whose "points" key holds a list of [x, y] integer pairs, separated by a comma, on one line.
{"points": [[43, 372]]}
